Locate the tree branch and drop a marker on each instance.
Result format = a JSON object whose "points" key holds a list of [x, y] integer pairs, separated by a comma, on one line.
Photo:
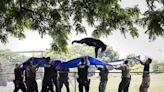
{"points": [[20, 4]]}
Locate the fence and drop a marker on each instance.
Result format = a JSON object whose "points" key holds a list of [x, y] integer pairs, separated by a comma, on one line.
{"points": [[114, 79]]}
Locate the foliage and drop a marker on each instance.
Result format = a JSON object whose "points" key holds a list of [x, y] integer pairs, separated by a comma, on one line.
{"points": [[134, 62], [157, 66], [58, 17], [8, 59], [8, 56], [153, 19]]}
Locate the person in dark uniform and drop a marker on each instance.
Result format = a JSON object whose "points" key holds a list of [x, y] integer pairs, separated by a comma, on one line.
{"points": [[83, 76], [92, 42], [31, 77], [55, 78], [126, 77], [103, 78], [63, 79], [18, 82], [47, 84], [146, 75]]}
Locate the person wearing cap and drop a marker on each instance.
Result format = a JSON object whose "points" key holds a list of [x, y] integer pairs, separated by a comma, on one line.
{"points": [[126, 77], [18, 82], [83, 75], [146, 75], [103, 78]]}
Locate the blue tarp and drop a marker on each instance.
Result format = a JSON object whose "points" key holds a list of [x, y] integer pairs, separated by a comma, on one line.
{"points": [[75, 62], [56, 63], [69, 64], [72, 63], [94, 61], [121, 60], [36, 60]]}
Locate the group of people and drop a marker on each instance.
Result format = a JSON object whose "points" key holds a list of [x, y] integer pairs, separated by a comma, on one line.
{"points": [[49, 80], [51, 77], [126, 77]]}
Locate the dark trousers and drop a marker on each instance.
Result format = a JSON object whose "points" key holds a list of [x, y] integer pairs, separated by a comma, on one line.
{"points": [[124, 85], [66, 83], [145, 84], [47, 86], [32, 85], [102, 86], [84, 83], [55, 81], [19, 85]]}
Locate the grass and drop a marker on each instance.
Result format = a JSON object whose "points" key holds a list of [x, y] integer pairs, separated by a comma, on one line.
{"points": [[157, 84]]}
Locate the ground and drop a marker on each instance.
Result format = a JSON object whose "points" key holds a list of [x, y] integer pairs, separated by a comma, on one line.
{"points": [[156, 85]]}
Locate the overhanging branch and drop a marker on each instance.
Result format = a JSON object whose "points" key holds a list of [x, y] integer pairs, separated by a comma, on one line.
{"points": [[20, 4]]}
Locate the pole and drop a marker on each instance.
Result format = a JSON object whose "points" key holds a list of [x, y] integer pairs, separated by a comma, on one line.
{"points": [[75, 80]]}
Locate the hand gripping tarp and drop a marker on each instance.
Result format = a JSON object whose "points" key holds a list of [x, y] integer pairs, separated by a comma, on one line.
{"points": [[35, 60], [121, 61], [75, 62]]}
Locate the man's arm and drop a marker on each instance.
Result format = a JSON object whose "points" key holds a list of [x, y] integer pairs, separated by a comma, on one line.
{"points": [[120, 68], [141, 62], [35, 67]]}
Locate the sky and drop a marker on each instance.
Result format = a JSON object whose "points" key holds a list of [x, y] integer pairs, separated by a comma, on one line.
{"points": [[124, 46]]}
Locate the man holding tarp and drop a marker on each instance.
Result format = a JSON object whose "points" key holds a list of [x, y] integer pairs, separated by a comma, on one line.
{"points": [[48, 76], [126, 77], [18, 82], [103, 78], [146, 76], [83, 76], [31, 75]]}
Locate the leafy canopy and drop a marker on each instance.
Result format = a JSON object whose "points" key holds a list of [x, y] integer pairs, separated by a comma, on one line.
{"points": [[58, 18], [153, 19]]}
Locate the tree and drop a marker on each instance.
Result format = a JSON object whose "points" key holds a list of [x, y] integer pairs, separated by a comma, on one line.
{"points": [[58, 17], [157, 66], [8, 60], [153, 19], [7, 55]]}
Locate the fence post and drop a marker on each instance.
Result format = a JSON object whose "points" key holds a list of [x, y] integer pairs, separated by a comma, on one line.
{"points": [[75, 80]]}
